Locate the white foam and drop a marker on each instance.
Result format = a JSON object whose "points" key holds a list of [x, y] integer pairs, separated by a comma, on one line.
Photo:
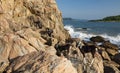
{"points": [[87, 36]]}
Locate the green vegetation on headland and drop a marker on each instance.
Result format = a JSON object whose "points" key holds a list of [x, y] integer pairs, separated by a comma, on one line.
{"points": [[108, 19]]}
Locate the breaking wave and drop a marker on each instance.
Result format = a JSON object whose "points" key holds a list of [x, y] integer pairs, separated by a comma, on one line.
{"points": [[86, 36]]}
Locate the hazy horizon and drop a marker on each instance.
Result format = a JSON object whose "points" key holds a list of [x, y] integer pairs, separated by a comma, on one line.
{"points": [[89, 9]]}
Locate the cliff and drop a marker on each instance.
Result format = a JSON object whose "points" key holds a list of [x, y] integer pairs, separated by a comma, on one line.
{"points": [[27, 26], [33, 40]]}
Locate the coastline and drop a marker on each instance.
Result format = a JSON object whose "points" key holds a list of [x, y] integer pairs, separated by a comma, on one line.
{"points": [[33, 40]]}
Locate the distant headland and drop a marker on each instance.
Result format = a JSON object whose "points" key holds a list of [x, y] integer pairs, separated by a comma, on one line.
{"points": [[67, 18], [108, 19]]}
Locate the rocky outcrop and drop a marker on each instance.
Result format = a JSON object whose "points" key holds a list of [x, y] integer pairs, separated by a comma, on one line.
{"points": [[97, 39], [112, 49], [33, 14], [116, 58], [111, 67], [25, 27], [22, 23], [110, 55], [40, 62], [83, 64], [32, 39]]}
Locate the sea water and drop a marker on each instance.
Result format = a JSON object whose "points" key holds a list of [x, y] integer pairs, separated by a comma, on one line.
{"points": [[85, 30]]}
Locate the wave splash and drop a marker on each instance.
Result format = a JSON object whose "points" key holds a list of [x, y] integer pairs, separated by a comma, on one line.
{"points": [[87, 36]]}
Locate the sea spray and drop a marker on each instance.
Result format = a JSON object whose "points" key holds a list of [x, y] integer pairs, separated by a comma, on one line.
{"points": [[87, 36]]}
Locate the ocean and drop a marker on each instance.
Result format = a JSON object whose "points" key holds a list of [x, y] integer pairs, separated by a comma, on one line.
{"points": [[85, 30]]}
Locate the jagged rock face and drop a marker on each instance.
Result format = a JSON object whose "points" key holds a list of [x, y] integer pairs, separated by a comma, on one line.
{"points": [[111, 67], [34, 27], [21, 24], [83, 64], [33, 13], [40, 62]]}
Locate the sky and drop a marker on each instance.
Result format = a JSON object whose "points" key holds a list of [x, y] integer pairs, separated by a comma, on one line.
{"points": [[89, 9]]}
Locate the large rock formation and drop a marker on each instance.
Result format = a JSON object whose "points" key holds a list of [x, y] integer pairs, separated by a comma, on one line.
{"points": [[22, 23], [40, 62], [32, 14], [25, 27], [32, 37], [83, 64]]}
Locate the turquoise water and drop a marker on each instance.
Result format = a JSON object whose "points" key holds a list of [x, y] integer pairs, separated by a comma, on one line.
{"points": [[85, 29]]}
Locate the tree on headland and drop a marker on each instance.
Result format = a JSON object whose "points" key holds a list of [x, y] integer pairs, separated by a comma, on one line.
{"points": [[109, 19]]}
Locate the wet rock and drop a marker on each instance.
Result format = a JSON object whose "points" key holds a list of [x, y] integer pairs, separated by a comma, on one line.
{"points": [[110, 48], [28, 25], [110, 67], [62, 49], [49, 32], [116, 58], [110, 45], [72, 40], [97, 39], [49, 41], [86, 63], [40, 62]]}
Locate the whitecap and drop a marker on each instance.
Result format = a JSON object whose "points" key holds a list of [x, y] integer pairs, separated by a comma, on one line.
{"points": [[87, 36]]}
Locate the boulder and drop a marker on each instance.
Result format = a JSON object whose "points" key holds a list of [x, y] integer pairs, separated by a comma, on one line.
{"points": [[97, 39], [40, 62], [110, 48], [110, 67], [105, 56], [116, 58], [111, 52], [20, 43], [110, 45], [82, 64]]}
